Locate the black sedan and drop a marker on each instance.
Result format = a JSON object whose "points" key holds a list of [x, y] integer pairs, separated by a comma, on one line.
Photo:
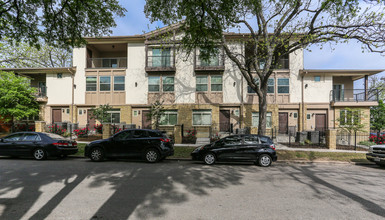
{"points": [[36, 144], [258, 149], [151, 145]]}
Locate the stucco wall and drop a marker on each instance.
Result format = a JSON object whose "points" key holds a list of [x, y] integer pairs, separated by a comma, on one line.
{"points": [[59, 89], [136, 78], [317, 92], [232, 78], [184, 78], [295, 64], [79, 61]]}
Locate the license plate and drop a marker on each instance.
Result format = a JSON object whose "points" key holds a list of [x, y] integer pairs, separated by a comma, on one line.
{"points": [[70, 145], [377, 159]]}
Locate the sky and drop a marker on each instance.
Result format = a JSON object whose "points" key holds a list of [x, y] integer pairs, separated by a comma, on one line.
{"points": [[340, 56]]}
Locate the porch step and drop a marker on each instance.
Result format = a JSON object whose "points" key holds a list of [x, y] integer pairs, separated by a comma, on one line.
{"points": [[202, 141]]}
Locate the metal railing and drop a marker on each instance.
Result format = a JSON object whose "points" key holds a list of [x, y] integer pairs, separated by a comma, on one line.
{"points": [[214, 62], [160, 61], [41, 91], [353, 95], [114, 62]]}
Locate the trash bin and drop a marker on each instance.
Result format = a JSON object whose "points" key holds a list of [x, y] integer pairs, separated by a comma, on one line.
{"points": [[301, 137], [313, 136]]}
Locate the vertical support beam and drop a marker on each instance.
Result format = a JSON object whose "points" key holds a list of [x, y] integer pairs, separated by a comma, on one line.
{"points": [[331, 141], [178, 134], [366, 87], [106, 130]]}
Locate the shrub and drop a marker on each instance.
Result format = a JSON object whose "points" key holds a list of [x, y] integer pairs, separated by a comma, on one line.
{"points": [[56, 130], [81, 132], [215, 137], [378, 140], [99, 128], [190, 137]]}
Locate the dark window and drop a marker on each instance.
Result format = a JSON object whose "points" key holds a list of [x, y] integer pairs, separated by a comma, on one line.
{"points": [[283, 85], [105, 83], [232, 140], [123, 136], [14, 137], [265, 140], [91, 83], [118, 83], [154, 134], [31, 137], [140, 134], [251, 140]]}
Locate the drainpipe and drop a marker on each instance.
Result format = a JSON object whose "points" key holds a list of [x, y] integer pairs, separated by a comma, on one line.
{"points": [[73, 94], [303, 102]]}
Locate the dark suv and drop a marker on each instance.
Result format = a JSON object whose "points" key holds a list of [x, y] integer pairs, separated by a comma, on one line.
{"points": [[151, 145], [245, 147]]}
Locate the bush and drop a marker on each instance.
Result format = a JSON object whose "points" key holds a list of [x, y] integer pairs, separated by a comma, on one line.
{"points": [[215, 137], [56, 130], [378, 140], [367, 143], [24, 127], [99, 128], [190, 138], [81, 132]]}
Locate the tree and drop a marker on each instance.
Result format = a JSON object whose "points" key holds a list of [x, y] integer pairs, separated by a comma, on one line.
{"points": [[22, 55], [17, 99], [155, 113], [60, 23], [377, 117], [276, 28], [377, 84], [101, 113]]}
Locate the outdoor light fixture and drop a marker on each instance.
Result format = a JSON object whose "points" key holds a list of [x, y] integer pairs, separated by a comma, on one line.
{"points": [[234, 84], [136, 84], [305, 86]]}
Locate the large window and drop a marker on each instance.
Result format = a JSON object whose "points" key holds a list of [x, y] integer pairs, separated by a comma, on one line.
{"points": [[114, 115], [153, 83], [168, 83], [118, 83], [255, 119], [216, 83], [212, 61], [161, 57], [169, 118], [283, 85], [201, 117], [201, 83], [348, 117], [270, 86], [249, 89], [105, 83], [91, 83]]}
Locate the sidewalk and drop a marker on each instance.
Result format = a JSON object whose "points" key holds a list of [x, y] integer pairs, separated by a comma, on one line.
{"points": [[279, 146]]}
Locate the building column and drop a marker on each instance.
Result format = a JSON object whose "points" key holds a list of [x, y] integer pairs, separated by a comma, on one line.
{"points": [[106, 130], [177, 134], [331, 141], [40, 126]]}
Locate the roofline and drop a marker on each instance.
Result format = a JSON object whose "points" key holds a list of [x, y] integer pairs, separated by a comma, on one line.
{"points": [[38, 70], [358, 73]]}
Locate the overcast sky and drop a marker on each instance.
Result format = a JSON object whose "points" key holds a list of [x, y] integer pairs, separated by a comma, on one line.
{"points": [[341, 56]]}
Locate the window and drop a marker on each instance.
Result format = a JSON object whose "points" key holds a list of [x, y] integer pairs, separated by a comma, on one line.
{"points": [[308, 116], [118, 83], [212, 61], [114, 116], [348, 117], [161, 57], [91, 83], [105, 83], [135, 113], [14, 137], [255, 119], [113, 63], [249, 89], [284, 62], [31, 137], [295, 115], [201, 85], [251, 139], [169, 118], [140, 134], [80, 112], [66, 110], [153, 83], [232, 140], [123, 136], [270, 86], [283, 85], [59, 75], [216, 83], [201, 117], [317, 78], [168, 83]]}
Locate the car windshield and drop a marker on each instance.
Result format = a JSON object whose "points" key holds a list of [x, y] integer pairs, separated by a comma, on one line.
{"points": [[55, 136]]}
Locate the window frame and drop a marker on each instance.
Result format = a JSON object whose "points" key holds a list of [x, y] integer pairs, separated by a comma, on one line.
{"points": [[200, 84], [168, 84], [255, 119], [164, 59], [317, 78], [100, 83], [114, 111], [211, 83], [355, 115], [120, 83], [167, 113], [88, 84], [283, 86], [153, 84], [201, 113]]}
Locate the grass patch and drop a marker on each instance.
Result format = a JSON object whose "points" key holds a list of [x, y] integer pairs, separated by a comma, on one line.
{"points": [[182, 152], [81, 147], [325, 156]]}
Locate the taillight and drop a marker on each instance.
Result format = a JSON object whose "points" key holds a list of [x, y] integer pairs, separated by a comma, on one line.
{"points": [[75, 144], [272, 146], [165, 140], [60, 144]]}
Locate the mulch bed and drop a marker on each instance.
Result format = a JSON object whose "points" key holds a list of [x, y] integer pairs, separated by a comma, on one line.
{"points": [[90, 138], [339, 147]]}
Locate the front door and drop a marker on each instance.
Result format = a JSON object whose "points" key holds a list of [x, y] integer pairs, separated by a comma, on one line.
{"points": [[338, 92], [146, 119], [283, 123], [56, 115], [224, 120], [320, 122]]}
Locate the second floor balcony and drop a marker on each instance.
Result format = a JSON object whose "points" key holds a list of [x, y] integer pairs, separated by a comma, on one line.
{"points": [[41, 94], [216, 63], [107, 63], [162, 63], [353, 95]]}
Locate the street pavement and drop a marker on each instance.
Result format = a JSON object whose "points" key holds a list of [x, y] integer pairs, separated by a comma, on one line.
{"points": [[75, 188]]}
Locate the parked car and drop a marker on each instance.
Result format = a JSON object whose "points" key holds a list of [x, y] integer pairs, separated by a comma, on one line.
{"points": [[377, 154], [36, 144], [151, 145], [255, 148]]}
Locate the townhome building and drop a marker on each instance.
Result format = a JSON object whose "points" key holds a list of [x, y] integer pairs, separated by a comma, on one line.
{"points": [[132, 72]]}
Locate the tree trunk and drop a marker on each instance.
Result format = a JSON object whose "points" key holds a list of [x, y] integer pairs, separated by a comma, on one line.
{"points": [[262, 112]]}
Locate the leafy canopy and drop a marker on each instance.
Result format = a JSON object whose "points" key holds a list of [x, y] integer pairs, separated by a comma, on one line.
{"points": [[101, 113], [377, 116], [16, 97], [57, 22]]}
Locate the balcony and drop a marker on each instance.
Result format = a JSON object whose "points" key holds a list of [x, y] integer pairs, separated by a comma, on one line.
{"points": [[41, 94], [160, 63], [213, 64], [107, 63], [347, 97]]}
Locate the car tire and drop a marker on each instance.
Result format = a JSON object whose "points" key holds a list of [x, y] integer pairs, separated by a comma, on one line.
{"points": [[209, 159], [97, 154], [264, 160], [39, 154], [152, 155]]}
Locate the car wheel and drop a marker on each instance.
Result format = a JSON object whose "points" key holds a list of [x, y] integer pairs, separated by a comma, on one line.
{"points": [[264, 160], [97, 154], [209, 158], [151, 156], [39, 154]]}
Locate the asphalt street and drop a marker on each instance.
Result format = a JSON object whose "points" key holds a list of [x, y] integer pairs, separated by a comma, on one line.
{"points": [[79, 189]]}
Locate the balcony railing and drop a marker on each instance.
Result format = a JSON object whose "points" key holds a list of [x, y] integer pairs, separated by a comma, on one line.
{"points": [[160, 63], [41, 94], [213, 64], [353, 95], [108, 63]]}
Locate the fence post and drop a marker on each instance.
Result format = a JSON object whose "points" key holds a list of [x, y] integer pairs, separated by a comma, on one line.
{"points": [[331, 139], [106, 131], [182, 130], [355, 140]]}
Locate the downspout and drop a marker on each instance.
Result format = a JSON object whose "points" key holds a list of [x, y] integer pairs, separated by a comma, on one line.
{"points": [[73, 94], [303, 101]]}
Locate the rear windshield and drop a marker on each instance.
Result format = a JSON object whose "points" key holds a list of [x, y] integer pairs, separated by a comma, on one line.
{"points": [[265, 140], [55, 136]]}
